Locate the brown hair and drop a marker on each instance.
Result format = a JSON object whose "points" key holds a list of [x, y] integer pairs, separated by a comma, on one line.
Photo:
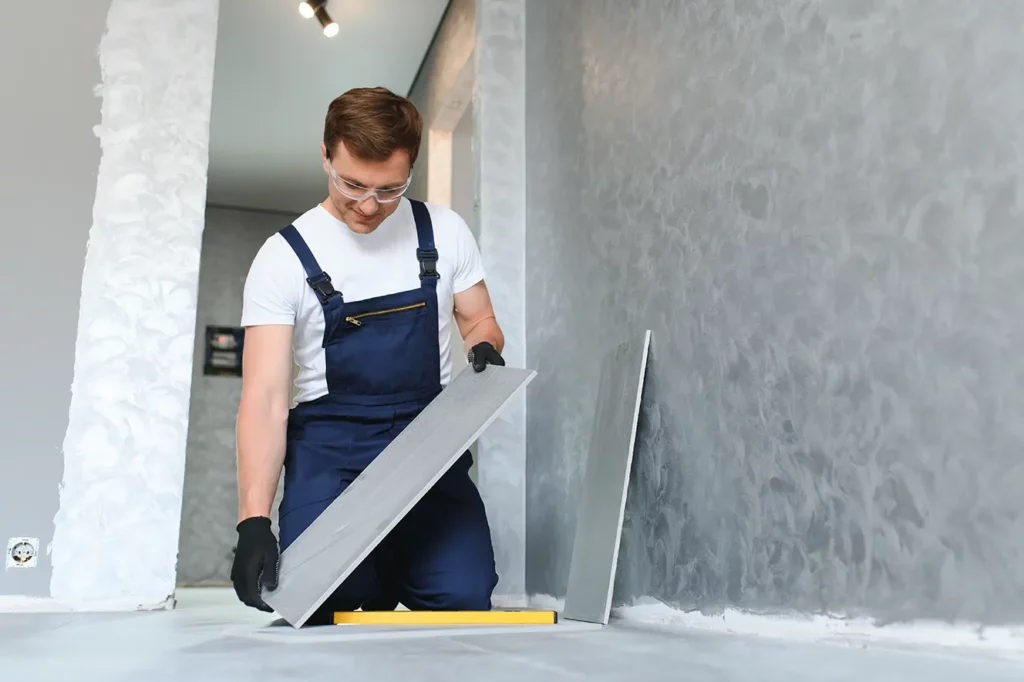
{"points": [[373, 123]]}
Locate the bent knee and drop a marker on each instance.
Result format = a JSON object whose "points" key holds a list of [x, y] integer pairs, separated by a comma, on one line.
{"points": [[358, 590], [465, 600], [469, 595]]}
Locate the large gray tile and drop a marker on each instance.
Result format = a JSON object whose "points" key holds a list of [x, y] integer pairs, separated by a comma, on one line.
{"points": [[603, 498], [347, 531]]}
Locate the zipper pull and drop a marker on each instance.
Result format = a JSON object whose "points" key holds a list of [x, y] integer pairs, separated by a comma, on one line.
{"points": [[354, 321]]}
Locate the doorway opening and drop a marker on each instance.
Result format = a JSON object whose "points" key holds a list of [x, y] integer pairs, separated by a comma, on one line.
{"points": [[275, 75]]}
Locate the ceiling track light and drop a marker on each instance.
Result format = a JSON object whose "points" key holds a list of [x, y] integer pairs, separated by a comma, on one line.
{"points": [[329, 25], [318, 9], [308, 8]]}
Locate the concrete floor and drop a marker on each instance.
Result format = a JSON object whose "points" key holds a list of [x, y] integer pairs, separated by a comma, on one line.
{"points": [[211, 637]]}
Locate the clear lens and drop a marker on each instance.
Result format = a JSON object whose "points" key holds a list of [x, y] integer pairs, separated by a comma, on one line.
{"points": [[357, 193]]}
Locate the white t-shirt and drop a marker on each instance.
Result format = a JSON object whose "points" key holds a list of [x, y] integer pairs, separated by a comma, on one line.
{"points": [[361, 266]]}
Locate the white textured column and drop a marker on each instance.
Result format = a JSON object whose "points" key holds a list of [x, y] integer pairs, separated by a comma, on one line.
{"points": [[499, 128], [116, 536]]}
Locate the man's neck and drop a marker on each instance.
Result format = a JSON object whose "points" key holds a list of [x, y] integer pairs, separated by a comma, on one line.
{"points": [[328, 206], [332, 210]]}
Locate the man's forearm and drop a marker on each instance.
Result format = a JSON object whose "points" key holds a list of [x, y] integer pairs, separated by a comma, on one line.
{"points": [[487, 330], [262, 431]]}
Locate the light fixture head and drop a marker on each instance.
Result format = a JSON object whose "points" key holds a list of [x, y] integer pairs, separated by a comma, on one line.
{"points": [[329, 25], [308, 8]]}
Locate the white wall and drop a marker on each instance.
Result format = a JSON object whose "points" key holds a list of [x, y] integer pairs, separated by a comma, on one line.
{"points": [[116, 530], [48, 164]]}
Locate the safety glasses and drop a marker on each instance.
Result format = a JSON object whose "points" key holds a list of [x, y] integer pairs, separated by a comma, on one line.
{"points": [[360, 194]]}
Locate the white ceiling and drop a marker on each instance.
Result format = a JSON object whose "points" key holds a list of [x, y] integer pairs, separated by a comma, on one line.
{"points": [[275, 75]]}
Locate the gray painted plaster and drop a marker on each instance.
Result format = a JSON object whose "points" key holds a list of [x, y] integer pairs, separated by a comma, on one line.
{"points": [[498, 146], [817, 209], [463, 201], [488, 36], [49, 158], [210, 504], [464, 171]]}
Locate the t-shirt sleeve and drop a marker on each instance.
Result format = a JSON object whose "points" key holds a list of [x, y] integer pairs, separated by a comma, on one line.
{"points": [[270, 295], [469, 266]]}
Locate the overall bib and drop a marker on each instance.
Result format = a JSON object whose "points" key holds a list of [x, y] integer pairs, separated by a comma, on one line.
{"points": [[383, 368]]}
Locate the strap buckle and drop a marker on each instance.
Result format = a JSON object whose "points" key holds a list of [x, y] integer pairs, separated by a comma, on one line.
{"points": [[321, 284], [428, 263]]}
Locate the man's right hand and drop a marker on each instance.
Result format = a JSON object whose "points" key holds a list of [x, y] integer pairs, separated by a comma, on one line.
{"points": [[256, 562]]}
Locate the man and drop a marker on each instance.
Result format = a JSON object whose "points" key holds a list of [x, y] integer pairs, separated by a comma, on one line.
{"points": [[360, 292]]}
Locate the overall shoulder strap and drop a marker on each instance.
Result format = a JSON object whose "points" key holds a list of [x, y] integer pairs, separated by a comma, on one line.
{"points": [[317, 279], [427, 252]]}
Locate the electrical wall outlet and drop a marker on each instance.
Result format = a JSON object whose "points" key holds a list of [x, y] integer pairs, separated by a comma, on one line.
{"points": [[22, 552]]}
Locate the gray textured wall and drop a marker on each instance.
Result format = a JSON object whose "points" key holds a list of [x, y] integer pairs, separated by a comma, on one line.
{"points": [[817, 208], [463, 202], [464, 171], [49, 158], [210, 505], [479, 53], [499, 121]]}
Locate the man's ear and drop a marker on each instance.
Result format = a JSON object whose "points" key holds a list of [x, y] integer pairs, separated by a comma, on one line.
{"points": [[323, 158]]}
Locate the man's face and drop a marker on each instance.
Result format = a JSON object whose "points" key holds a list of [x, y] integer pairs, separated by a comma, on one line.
{"points": [[350, 179]]}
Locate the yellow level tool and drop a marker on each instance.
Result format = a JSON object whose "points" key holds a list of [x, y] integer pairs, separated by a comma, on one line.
{"points": [[495, 617]]}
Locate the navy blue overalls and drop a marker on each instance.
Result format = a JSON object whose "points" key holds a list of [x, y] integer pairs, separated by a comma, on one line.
{"points": [[383, 368]]}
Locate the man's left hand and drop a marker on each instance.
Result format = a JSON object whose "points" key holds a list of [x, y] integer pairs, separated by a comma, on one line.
{"points": [[483, 354]]}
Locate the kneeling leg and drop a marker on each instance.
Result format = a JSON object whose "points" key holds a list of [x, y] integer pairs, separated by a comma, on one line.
{"points": [[442, 551], [363, 588]]}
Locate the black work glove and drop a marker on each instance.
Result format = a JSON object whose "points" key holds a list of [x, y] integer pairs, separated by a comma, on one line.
{"points": [[256, 562], [483, 354]]}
